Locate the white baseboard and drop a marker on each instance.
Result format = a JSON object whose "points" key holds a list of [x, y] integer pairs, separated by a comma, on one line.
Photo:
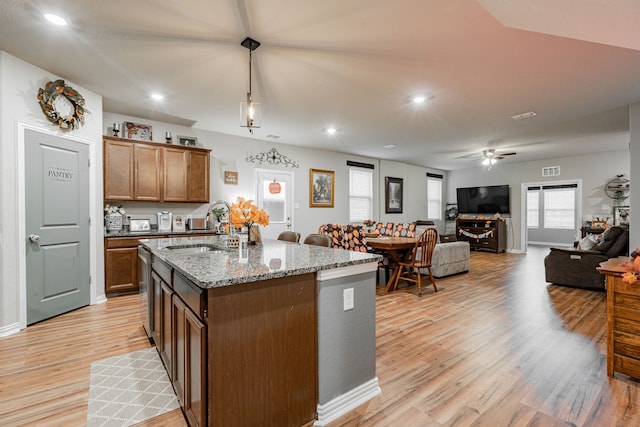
{"points": [[9, 329], [346, 402], [100, 299]]}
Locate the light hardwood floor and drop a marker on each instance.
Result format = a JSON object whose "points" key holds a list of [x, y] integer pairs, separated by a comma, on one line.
{"points": [[494, 347]]}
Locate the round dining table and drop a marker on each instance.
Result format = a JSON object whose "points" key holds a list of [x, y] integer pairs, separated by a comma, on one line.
{"points": [[394, 248]]}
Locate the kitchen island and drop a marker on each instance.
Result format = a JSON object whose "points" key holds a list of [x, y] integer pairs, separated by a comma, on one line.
{"points": [[283, 336]]}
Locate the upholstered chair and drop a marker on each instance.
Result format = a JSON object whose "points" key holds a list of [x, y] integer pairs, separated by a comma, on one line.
{"points": [[289, 236], [318, 239]]}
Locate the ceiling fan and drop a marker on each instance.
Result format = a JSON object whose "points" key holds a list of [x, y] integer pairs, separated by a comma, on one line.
{"points": [[490, 157]]}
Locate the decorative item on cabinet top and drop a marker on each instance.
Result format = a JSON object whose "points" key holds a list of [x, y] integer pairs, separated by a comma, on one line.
{"points": [[189, 141], [138, 131]]}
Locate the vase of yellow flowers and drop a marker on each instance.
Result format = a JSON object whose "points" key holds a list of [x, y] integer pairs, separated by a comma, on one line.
{"points": [[244, 213]]}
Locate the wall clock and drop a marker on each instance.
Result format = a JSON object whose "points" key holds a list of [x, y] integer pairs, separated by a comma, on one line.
{"points": [[618, 188], [48, 98]]}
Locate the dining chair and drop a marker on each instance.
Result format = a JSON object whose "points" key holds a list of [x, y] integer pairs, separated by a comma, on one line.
{"points": [[289, 236], [420, 258], [318, 240]]}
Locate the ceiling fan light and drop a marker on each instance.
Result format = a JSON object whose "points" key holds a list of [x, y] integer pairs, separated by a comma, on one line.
{"points": [[486, 162]]}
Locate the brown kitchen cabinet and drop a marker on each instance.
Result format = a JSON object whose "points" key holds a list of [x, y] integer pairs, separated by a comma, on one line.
{"points": [[121, 262], [186, 175], [118, 170], [147, 181], [189, 349], [121, 265], [153, 172]]}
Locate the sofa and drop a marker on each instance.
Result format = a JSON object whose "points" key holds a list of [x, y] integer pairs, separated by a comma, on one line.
{"points": [[576, 267]]}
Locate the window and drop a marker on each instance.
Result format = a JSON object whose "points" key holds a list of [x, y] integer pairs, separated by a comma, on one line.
{"points": [[434, 198], [533, 208], [274, 204], [559, 208], [360, 194]]}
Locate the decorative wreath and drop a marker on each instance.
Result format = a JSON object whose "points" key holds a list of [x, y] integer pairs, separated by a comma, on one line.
{"points": [[48, 94]]}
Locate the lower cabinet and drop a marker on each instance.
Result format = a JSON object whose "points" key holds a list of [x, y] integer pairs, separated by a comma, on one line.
{"points": [[189, 362], [121, 262], [181, 338], [121, 270]]}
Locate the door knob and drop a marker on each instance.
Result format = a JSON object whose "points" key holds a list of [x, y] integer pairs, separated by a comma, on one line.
{"points": [[34, 238]]}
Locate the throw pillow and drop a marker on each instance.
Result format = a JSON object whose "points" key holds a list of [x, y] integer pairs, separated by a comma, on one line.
{"points": [[586, 243]]}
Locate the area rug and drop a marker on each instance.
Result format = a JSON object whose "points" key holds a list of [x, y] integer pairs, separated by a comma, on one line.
{"points": [[128, 389]]}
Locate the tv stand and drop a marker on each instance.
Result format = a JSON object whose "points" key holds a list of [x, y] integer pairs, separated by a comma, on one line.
{"points": [[483, 234]]}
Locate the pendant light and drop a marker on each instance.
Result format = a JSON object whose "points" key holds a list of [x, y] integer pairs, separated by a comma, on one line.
{"points": [[250, 110]]}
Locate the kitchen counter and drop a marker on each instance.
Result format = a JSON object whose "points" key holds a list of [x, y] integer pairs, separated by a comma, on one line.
{"points": [[269, 260], [289, 323]]}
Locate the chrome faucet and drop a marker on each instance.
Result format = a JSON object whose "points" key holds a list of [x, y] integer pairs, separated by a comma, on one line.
{"points": [[212, 206]]}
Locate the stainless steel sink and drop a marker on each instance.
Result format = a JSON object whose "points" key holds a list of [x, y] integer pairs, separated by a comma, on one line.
{"points": [[195, 249]]}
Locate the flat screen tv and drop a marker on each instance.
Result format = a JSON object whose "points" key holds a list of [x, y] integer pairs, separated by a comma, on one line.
{"points": [[490, 200]]}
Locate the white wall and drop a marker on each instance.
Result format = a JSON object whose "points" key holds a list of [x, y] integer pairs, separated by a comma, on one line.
{"points": [[593, 169], [634, 147], [229, 154], [19, 84]]}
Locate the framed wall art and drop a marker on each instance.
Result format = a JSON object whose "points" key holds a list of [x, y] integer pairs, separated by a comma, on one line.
{"points": [[621, 215], [321, 188], [230, 177], [189, 141], [137, 131], [392, 195]]}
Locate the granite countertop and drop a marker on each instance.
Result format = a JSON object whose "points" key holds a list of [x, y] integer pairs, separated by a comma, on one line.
{"points": [[269, 260], [153, 232]]}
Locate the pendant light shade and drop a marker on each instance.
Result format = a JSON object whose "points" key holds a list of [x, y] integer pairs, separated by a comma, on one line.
{"points": [[250, 116]]}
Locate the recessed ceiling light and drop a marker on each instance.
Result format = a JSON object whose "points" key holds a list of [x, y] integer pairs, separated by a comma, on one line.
{"points": [[331, 130], [157, 96], [389, 146], [419, 99], [55, 19]]}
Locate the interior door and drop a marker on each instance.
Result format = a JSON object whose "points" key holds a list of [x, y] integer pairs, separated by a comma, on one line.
{"points": [[57, 225], [274, 194]]}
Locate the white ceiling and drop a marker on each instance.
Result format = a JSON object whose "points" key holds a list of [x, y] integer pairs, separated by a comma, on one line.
{"points": [[355, 65]]}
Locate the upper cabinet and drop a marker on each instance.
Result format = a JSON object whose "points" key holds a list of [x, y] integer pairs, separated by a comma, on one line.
{"points": [[147, 171]]}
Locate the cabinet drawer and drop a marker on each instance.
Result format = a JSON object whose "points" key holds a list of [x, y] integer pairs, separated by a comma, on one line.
{"points": [[626, 306], [163, 270], [121, 242], [626, 345], [126, 242], [193, 296]]}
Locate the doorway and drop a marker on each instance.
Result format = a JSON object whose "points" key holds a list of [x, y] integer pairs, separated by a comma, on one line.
{"points": [[56, 225], [274, 194], [552, 212]]}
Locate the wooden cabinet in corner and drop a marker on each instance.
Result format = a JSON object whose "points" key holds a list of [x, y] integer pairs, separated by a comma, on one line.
{"points": [[153, 172], [483, 234]]}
